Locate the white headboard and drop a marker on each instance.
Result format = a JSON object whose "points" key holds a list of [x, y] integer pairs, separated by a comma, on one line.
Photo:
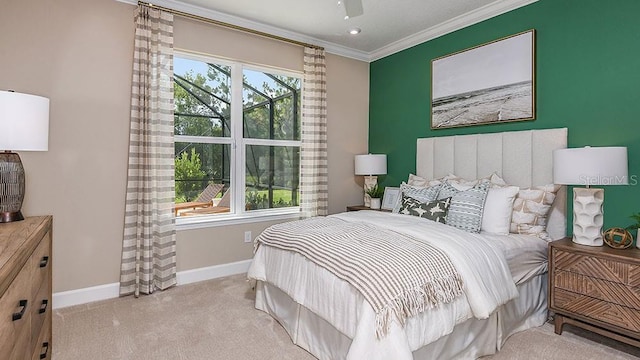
{"points": [[522, 158]]}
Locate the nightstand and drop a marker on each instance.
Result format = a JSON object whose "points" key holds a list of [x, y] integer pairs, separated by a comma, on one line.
{"points": [[595, 288], [362, 207]]}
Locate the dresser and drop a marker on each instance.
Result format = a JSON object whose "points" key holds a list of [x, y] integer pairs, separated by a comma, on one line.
{"points": [[25, 289], [596, 288]]}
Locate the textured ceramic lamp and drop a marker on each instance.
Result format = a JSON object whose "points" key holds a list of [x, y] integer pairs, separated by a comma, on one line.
{"points": [[370, 165], [24, 126], [589, 166]]}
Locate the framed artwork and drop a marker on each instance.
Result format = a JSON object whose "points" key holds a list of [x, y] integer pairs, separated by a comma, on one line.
{"points": [[390, 197], [486, 84]]}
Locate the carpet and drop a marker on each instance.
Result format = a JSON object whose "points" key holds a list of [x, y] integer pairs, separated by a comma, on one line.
{"points": [[216, 319]]}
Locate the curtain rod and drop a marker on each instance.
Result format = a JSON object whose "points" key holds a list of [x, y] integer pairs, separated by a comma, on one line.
{"points": [[230, 26]]}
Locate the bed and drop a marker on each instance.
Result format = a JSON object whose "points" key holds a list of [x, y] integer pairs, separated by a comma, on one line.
{"points": [[329, 317]]}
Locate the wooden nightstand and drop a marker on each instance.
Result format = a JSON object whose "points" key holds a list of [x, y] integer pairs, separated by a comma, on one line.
{"points": [[596, 288], [362, 207]]}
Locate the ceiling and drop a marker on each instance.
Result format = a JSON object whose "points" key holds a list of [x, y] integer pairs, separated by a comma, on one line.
{"points": [[388, 26]]}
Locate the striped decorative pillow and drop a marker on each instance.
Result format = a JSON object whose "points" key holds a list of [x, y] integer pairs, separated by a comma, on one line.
{"points": [[467, 206]]}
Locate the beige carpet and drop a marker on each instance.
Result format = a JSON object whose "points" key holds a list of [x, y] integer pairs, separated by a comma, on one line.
{"points": [[216, 320]]}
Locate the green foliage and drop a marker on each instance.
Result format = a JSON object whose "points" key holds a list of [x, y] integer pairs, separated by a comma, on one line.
{"points": [[188, 171], [376, 192], [259, 199], [271, 110], [636, 222]]}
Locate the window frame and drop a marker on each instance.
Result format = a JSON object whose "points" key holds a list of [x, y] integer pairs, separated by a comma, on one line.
{"points": [[238, 144]]}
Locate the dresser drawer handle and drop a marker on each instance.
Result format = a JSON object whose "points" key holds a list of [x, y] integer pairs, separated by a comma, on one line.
{"points": [[43, 306], [18, 315], [44, 261], [45, 346]]}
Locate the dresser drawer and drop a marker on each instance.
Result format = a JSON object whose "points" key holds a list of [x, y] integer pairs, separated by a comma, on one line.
{"points": [[597, 267], [615, 292], [16, 300], [616, 315], [39, 312], [42, 348], [40, 262]]}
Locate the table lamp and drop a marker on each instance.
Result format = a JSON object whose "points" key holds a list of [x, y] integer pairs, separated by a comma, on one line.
{"points": [[589, 166], [24, 126], [370, 165]]}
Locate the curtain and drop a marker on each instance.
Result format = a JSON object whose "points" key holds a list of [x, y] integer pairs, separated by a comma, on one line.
{"points": [[149, 244], [313, 149]]}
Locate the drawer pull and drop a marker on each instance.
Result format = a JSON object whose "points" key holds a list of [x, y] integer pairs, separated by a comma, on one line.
{"points": [[44, 261], [45, 346], [18, 315], [43, 306]]}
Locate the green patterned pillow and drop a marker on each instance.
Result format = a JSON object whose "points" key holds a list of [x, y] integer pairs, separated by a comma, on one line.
{"points": [[434, 210], [465, 212]]}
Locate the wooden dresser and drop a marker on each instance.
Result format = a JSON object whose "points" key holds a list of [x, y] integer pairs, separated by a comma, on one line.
{"points": [[596, 288], [25, 289]]}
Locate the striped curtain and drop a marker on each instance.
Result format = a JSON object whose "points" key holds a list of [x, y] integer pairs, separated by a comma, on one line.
{"points": [[313, 149], [149, 241]]}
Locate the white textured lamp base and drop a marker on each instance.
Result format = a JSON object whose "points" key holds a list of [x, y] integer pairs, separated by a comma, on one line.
{"points": [[369, 182], [587, 216]]}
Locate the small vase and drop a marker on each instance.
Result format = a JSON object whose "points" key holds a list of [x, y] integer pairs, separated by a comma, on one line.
{"points": [[375, 203]]}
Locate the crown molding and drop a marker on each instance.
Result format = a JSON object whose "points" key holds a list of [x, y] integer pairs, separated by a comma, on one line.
{"points": [[238, 21], [473, 17], [459, 22]]}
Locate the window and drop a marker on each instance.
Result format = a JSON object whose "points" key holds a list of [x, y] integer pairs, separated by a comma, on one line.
{"points": [[237, 139]]}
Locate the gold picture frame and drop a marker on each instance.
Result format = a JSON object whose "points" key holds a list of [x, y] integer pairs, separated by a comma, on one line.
{"points": [[487, 84]]}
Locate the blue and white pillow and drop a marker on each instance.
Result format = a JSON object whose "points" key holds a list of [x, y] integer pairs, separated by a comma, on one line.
{"points": [[467, 206], [422, 194]]}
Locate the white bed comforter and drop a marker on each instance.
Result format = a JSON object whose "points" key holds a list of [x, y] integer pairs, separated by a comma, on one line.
{"points": [[487, 285]]}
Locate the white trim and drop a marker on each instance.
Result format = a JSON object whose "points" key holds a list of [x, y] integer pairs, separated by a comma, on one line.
{"points": [[85, 295], [488, 11], [200, 222], [110, 291], [212, 272]]}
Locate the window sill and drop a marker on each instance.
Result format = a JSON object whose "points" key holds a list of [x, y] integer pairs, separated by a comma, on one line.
{"points": [[206, 221]]}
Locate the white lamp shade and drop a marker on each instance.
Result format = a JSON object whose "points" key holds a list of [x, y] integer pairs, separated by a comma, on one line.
{"points": [[371, 164], [591, 166], [24, 122]]}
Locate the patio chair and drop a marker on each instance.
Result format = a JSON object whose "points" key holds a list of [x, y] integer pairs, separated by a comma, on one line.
{"points": [[222, 206], [205, 199], [210, 192]]}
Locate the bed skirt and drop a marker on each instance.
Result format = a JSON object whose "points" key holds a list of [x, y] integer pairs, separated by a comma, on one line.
{"points": [[470, 339]]}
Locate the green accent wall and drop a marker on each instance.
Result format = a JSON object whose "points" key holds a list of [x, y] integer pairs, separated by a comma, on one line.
{"points": [[587, 79]]}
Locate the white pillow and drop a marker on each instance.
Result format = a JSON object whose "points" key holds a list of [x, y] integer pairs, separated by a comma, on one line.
{"points": [[498, 209], [418, 181]]}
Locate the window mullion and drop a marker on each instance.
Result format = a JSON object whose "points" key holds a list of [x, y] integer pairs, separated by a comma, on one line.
{"points": [[238, 153]]}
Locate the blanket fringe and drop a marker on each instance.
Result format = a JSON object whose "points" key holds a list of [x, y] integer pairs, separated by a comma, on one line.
{"points": [[417, 300]]}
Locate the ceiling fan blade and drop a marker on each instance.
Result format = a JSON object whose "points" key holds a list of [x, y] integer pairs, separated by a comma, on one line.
{"points": [[353, 8]]}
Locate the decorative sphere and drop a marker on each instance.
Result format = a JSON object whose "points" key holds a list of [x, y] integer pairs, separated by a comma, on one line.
{"points": [[617, 238]]}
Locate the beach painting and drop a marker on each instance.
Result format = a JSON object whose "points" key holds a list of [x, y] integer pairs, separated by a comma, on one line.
{"points": [[489, 83]]}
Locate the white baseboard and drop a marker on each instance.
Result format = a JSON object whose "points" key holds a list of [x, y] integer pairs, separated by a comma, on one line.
{"points": [[212, 272], [110, 291]]}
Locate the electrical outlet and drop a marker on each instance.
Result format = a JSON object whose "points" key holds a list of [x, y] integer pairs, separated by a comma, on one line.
{"points": [[247, 237]]}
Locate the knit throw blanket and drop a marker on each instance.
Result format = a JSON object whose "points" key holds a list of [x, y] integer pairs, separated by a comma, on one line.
{"points": [[398, 275]]}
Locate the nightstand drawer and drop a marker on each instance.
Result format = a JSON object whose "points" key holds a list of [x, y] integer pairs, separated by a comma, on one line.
{"points": [[604, 290], [597, 267], [606, 312]]}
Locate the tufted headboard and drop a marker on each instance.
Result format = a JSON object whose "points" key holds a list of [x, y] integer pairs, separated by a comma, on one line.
{"points": [[522, 158]]}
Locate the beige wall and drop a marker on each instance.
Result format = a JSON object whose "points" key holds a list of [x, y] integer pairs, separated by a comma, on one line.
{"points": [[78, 53]]}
